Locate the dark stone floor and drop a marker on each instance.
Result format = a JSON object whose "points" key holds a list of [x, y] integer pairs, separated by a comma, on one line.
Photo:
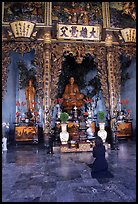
{"points": [[29, 174]]}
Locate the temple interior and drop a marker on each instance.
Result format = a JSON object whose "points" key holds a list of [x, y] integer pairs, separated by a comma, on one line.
{"points": [[68, 79]]}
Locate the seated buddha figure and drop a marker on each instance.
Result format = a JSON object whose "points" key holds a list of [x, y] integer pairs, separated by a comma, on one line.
{"points": [[72, 96]]}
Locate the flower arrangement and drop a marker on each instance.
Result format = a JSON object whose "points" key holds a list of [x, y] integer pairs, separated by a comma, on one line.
{"points": [[88, 100], [21, 111], [59, 101], [128, 114], [20, 107], [128, 110], [37, 108], [124, 103]]}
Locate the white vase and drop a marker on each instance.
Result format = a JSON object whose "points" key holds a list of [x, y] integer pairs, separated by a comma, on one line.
{"points": [[4, 144], [102, 132], [64, 135]]}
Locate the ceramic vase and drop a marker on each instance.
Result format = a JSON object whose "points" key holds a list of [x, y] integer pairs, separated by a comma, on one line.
{"points": [[102, 132], [64, 135]]}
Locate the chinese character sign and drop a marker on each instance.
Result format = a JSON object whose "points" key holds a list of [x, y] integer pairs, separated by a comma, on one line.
{"points": [[129, 34], [79, 32], [22, 28]]}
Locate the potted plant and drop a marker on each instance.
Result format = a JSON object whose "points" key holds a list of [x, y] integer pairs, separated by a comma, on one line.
{"points": [[64, 116], [102, 132], [101, 116], [64, 135]]}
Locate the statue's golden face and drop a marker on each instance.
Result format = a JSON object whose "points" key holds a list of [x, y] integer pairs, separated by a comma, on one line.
{"points": [[71, 80]]}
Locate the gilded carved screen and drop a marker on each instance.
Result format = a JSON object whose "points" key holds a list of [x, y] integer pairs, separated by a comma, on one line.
{"points": [[29, 11], [122, 14], [77, 12]]}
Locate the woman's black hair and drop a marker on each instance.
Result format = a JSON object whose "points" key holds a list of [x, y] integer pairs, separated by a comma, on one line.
{"points": [[98, 141]]}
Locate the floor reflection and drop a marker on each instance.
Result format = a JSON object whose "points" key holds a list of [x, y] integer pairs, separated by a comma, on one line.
{"points": [[29, 174]]}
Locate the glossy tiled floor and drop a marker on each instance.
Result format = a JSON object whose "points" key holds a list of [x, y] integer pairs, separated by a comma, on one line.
{"points": [[31, 175]]}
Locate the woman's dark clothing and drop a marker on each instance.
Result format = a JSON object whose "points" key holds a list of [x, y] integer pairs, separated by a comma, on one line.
{"points": [[100, 165], [100, 162]]}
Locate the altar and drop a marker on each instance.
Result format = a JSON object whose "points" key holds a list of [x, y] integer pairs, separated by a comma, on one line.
{"points": [[80, 139]]}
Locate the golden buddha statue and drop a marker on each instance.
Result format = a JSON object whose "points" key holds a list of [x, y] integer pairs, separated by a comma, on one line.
{"points": [[72, 96], [30, 96]]}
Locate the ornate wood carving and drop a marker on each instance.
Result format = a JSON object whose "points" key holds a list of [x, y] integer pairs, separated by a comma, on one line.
{"points": [[32, 11], [56, 65], [114, 65], [102, 72], [65, 48], [23, 47], [6, 47], [114, 77], [128, 50], [38, 60], [46, 78], [58, 50]]}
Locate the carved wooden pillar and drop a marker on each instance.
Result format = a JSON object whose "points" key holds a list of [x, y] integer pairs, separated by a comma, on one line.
{"points": [[111, 79], [114, 75], [103, 74], [56, 67], [46, 81]]}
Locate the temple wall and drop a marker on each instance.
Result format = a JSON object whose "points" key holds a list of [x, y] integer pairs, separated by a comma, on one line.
{"points": [[128, 90]]}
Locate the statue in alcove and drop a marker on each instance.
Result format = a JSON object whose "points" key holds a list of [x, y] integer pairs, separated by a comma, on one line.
{"points": [[30, 97], [72, 96]]}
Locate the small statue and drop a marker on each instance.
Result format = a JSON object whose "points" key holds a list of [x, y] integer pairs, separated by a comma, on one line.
{"points": [[74, 18], [30, 96], [85, 18]]}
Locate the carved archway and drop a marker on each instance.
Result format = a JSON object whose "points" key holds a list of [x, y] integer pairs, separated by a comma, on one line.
{"points": [[97, 51]]}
